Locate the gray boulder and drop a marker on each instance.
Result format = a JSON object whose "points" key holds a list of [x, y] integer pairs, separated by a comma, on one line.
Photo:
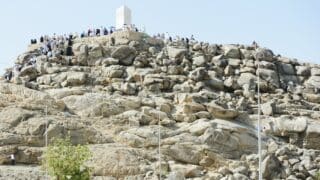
{"points": [[125, 54], [287, 69], [269, 76], [176, 53], [264, 54], [315, 71], [198, 74], [231, 51], [268, 108], [29, 71], [313, 81], [303, 70], [13, 116], [247, 78], [311, 140], [218, 111], [76, 78], [199, 61], [271, 167]]}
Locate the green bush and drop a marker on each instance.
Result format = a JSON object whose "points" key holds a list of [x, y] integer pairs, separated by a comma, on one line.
{"points": [[66, 161], [318, 176]]}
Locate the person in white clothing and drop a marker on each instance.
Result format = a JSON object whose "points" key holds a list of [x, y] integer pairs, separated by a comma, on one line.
{"points": [[13, 160]]}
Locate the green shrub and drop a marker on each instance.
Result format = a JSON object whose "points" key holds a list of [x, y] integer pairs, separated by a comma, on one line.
{"points": [[66, 161], [318, 176]]}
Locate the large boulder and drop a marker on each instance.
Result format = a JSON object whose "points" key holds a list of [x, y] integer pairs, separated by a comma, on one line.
{"points": [[215, 84], [249, 79], [157, 82], [33, 126], [125, 54], [5, 152], [268, 108], [176, 53], [184, 152], [303, 70], [313, 81], [187, 171], [218, 111], [76, 78], [13, 116], [142, 136], [29, 71], [228, 138], [198, 74], [95, 104], [114, 71], [270, 76], [45, 80], [271, 167], [117, 161], [81, 51], [315, 98], [231, 51], [192, 107], [199, 61], [286, 69], [95, 51], [64, 92], [29, 155], [264, 54], [285, 125], [311, 140], [21, 91], [315, 71]]}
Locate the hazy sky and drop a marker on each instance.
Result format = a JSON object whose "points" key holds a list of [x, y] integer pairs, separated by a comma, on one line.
{"points": [[288, 27]]}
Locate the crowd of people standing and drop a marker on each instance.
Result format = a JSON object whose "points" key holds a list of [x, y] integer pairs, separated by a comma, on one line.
{"points": [[58, 45]]}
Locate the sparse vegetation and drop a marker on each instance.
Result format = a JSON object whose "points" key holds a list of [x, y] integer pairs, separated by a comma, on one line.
{"points": [[318, 176], [65, 161]]}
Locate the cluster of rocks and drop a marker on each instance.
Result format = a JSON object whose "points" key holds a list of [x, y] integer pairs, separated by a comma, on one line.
{"points": [[114, 96]]}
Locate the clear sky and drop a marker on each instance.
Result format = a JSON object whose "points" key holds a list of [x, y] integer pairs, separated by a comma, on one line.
{"points": [[288, 27]]}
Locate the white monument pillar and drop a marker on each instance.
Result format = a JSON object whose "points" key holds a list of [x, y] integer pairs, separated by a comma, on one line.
{"points": [[123, 17]]}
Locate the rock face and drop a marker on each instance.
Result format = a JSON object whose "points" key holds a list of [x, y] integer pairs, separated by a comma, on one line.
{"points": [[202, 98]]}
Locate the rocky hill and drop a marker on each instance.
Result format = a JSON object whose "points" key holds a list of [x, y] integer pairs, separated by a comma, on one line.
{"points": [[204, 96]]}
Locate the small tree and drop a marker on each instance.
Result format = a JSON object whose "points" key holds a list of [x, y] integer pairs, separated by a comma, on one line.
{"points": [[66, 161]]}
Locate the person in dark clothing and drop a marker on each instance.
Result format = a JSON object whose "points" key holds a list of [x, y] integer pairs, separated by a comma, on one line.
{"points": [[137, 30], [170, 39], [113, 41], [70, 42], [8, 75], [82, 35], [105, 31], [187, 43], [41, 39], [49, 47], [111, 31], [255, 45], [97, 32], [69, 51]]}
